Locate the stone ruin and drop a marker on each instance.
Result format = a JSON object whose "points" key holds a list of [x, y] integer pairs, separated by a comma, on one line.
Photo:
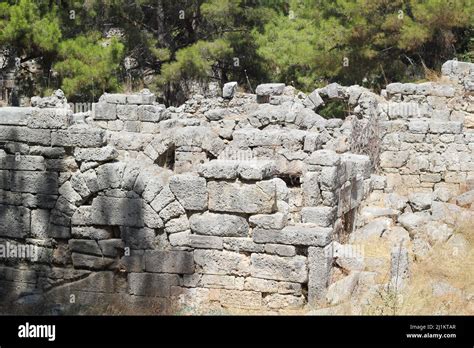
{"points": [[237, 203]]}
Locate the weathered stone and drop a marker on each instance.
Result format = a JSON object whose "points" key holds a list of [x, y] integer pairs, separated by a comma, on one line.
{"points": [[311, 191], [104, 111], [102, 154], [90, 232], [85, 246], [302, 234], [15, 115], [269, 221], [221, 262], [149, 284], [446, 127], [229, 90], [179, 224], [321, 216], [420, 200], [109, 175], [35, 182], [268, 89], [280, 250], [22, 162], [14, 222], [50, 118], [242, 245], [190, 191], [172, 210], [242, 198], [324, 158], [138, 238], [79, 136], [219, 169], [291, 269], [90, 261], [223, 225], [180, 262], [34, 136], [163, 198], [256, 170], [342, 290], [412, 221], [117, 211], [319, 264]]}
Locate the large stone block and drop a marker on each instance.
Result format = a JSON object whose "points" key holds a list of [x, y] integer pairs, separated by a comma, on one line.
{"points": [[221, 262], [393, 159], [190, 190], [79, 136], [301, 234], [14, 221], [267, 89], [117, 211], [324, 158], [223, 225], [91, 261], [452, 127], [310, 188], [35, 182], [158, 261], [15, 116], [22, 162], [291, 269], [219, 169], [321, 216], [33, 136], [101, 154], [155, 285], [104, 111], [50, 118], [319, 263], [259, 198], [138, 238]]}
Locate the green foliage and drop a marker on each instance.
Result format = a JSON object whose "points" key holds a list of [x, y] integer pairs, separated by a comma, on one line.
{"points": [[89, 66], [302, 43]]}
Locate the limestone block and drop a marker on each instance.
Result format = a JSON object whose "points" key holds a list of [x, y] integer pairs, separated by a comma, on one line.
{"points": [[223, 225], [190, 190], [291, 269], [158, 261], [258, 198], [300, 234]]}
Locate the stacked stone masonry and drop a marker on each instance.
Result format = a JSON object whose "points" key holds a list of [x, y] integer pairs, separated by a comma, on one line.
{"points": [[228, 202]]}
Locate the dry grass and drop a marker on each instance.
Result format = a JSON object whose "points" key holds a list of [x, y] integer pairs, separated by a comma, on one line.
{"points": [[442, 265]]}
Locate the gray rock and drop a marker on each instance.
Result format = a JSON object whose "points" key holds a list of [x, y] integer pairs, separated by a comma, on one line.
{"points": [[150, 284], [102, 154], [280, 250], [229, 90], [342, 290], [190, 191], [291, 269], [221, 262], [242, 198], [90, 261], [301, 234], [85, 246], [240, 244], [412, 221], [15, 221], [321, 216], [180, 262], [269, 221], [268, 89], [219, 169], [223, 225], [420, 200]]}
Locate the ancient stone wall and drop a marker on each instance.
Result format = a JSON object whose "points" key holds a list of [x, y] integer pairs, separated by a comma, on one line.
{"points": [[229, 203]]}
